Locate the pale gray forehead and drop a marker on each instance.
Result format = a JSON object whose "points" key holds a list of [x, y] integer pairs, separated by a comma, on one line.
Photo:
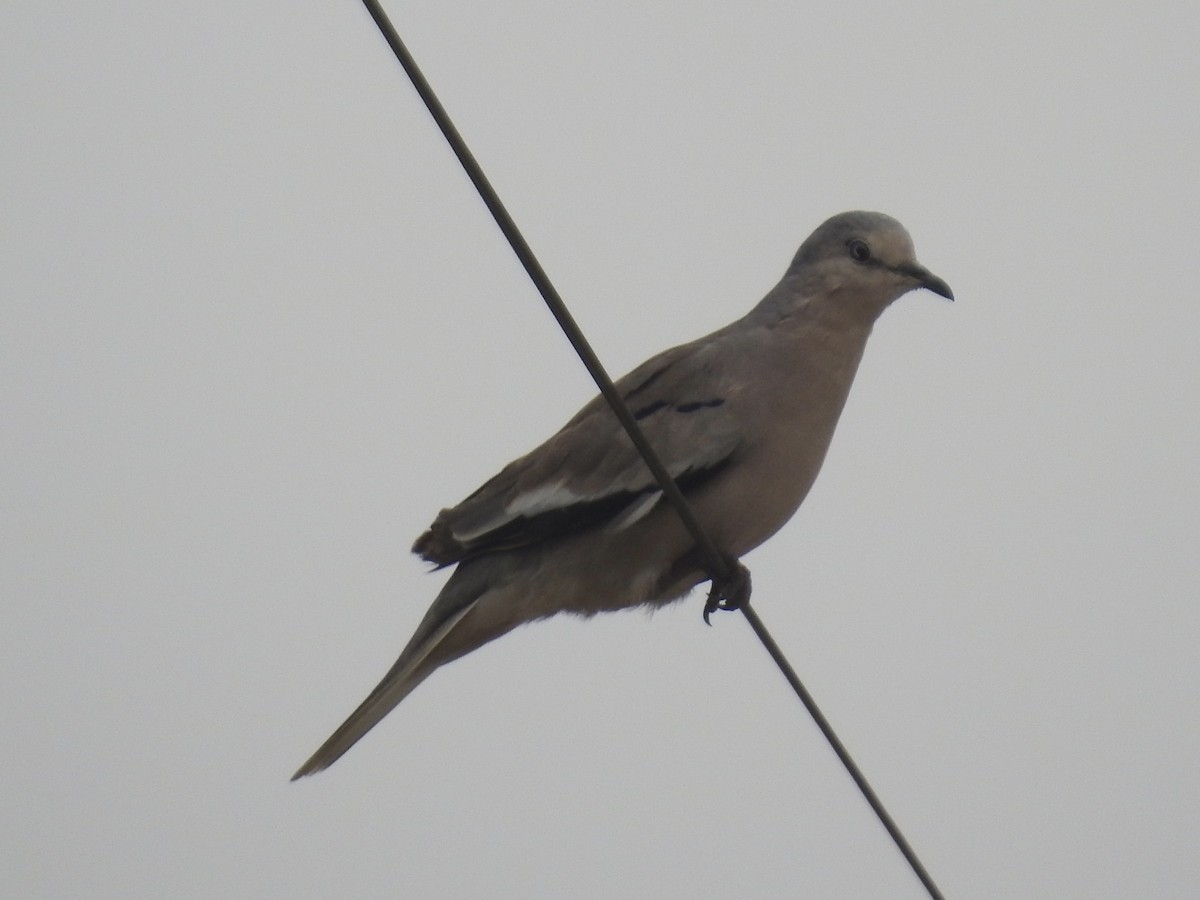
{"points": [[886, 237]]}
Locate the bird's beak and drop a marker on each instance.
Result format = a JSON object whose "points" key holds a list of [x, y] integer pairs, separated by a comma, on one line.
{"points": [[931, 282]]}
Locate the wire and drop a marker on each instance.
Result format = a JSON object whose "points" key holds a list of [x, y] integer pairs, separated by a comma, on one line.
{"points": [[843, 754], [719, 566]]}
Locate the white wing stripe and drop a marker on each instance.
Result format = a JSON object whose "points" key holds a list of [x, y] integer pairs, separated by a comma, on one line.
{"points": [[633, 512]]}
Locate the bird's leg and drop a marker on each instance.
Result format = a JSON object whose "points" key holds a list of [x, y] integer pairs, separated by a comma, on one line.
{"points": [[729, 592]]}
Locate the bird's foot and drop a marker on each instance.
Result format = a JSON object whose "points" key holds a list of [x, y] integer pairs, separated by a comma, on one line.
{"points": [[730, 592]]}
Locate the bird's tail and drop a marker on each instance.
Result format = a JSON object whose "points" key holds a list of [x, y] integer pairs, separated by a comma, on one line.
{"points": [[428, 649]]}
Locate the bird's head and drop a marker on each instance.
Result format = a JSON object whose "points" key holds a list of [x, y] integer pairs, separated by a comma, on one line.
{"points": [[863, 257]]}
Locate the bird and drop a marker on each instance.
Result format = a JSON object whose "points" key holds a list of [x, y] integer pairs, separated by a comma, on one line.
{"points": [[741, 419]]}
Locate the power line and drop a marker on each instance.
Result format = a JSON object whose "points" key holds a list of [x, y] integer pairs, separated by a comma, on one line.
{"points": [[730, 580], [717, 564]]}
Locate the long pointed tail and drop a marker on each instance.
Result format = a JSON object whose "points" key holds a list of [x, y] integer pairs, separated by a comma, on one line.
{"points": [[415, 664]]}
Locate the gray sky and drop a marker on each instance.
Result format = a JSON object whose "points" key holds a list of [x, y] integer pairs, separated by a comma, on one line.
{"points": [[256, 329]]}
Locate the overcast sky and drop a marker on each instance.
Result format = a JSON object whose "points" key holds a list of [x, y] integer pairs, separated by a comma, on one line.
{"points": [[256, 330]]}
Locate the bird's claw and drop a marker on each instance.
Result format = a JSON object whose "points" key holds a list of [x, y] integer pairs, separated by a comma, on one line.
{"points": [[730, 592]]}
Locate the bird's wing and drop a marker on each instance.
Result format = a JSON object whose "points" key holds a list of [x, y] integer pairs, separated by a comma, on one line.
{"points": [[589, 474]]}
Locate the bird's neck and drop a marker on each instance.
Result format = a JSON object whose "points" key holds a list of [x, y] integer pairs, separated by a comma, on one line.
{"points": [[803, 305]]}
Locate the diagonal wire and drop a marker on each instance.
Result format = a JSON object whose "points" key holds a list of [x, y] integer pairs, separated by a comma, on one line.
{"points": [[717, 564], [842, 753]]}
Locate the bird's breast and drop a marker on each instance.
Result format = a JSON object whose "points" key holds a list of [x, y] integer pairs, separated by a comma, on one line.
{"points": [[790, 413]]}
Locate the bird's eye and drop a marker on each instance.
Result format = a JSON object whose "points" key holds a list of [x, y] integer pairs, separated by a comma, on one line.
{"points": [[859, 251]]}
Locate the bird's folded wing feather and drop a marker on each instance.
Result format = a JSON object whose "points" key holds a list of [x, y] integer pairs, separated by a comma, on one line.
{"points": [[589, 474]]}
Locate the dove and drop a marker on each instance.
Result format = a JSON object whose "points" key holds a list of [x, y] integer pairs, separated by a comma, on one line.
{"points": [[741, 419]]}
